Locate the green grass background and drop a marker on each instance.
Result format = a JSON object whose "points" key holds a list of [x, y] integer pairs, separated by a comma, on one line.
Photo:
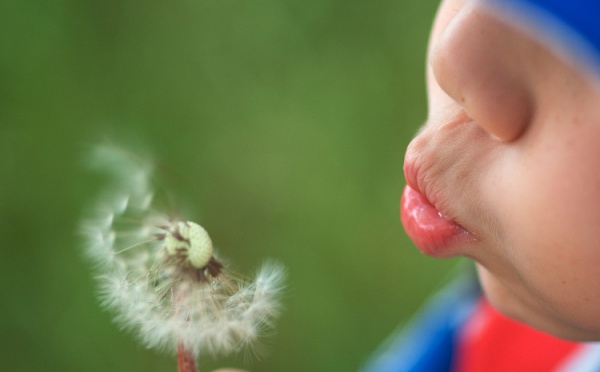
{"points": [[285, 123]]}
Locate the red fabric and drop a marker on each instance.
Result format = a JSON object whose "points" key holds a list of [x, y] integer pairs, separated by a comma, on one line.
{"points": [[491, 342]]}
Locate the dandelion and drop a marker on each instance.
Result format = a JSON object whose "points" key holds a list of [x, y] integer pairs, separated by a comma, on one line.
{"points": [[163, 278]]}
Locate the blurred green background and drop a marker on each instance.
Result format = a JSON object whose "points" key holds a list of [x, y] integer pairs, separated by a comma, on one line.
{"points": [[285, 123]]}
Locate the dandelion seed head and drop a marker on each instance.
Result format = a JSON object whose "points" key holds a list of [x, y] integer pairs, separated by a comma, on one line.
{"points": [[161, 275], [191, 241]]}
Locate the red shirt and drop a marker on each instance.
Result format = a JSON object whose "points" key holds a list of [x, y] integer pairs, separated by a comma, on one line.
{"points": [[492, 342]]}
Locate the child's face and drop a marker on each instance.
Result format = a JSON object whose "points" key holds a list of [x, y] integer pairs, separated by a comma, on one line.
{"points": [[511, 153]]}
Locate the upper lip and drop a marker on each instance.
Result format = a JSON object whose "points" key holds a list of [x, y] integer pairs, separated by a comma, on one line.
{"points": [[418, 174], [434, 164]]}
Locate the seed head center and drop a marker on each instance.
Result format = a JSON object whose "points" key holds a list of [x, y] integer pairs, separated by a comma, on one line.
{"points": [[190, 240]]}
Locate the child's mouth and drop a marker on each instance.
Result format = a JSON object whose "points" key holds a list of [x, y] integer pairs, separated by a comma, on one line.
{"points": [[432, 233]]}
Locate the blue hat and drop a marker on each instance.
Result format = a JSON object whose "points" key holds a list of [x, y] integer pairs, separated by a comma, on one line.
{"points": [[569, 27]]}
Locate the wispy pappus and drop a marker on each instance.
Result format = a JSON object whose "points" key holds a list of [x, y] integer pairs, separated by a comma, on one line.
{"points": [[161, 275]]}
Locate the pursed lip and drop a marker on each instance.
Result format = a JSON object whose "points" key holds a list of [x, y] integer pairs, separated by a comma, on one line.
{"points": [[430, 231], [437, 168]]}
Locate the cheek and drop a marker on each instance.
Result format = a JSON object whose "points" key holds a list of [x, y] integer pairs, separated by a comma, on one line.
{"points": [[551, 214]]}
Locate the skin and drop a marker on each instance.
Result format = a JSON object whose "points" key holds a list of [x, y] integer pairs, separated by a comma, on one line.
{"points": [[510, 152]]}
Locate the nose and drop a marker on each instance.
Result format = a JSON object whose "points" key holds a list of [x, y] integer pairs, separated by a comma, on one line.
{"points": [[483, 65]]}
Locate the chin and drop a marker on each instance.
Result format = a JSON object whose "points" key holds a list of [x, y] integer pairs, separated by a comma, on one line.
{"points": [[536, 315]]}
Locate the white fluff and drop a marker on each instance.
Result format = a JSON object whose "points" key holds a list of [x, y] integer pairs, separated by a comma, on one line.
{"points": [[154, 292]]}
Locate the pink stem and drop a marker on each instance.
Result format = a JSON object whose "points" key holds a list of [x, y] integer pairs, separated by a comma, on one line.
{"points": [[186, 361]]}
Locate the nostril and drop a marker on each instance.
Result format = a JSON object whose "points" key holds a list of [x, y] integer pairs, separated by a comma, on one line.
{"points": [[504, 109]]}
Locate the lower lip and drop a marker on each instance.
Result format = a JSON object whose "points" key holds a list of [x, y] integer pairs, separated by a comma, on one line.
{"points": [[432, 233]]}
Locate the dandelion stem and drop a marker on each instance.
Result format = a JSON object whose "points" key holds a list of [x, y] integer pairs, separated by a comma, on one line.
{"points": [[186, 361]]}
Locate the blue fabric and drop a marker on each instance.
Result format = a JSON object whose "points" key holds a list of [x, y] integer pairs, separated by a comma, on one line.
{"points": [[428, 343], [581, 16], [569, 25]]}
